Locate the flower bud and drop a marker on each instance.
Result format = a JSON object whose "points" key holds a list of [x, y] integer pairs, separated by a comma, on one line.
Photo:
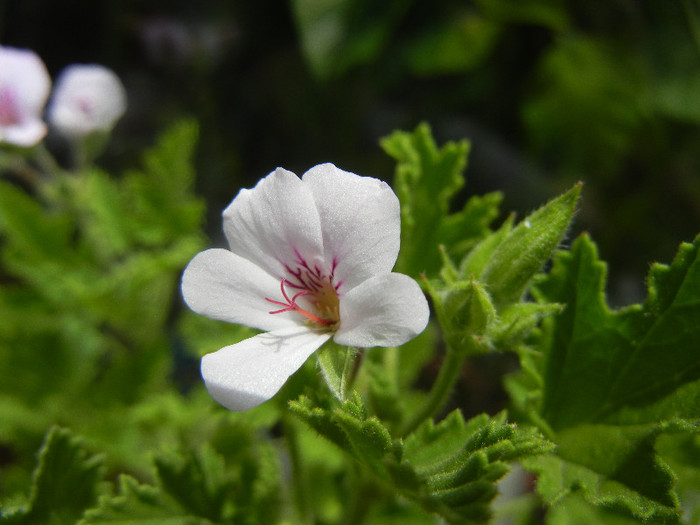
{"points": [[88, 98]]}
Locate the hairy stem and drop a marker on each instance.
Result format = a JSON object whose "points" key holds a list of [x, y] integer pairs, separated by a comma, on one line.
{"points": [[439, 393]]}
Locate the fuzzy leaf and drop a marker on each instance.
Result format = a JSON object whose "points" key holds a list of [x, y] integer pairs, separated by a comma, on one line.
{"points": [[195, 489], [336, 364], [600, 361], [450, 468], [427, 180], [616, 467], [64, 483], [525, 250], [612, 381], [138, 503]]}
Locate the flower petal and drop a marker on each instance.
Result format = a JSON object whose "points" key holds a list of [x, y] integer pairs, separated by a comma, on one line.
{"points": [[275, 223], [25, 134], [24, 71], [246, 374], [224, 286], [360, 220], [386, 310], [24, 88]]}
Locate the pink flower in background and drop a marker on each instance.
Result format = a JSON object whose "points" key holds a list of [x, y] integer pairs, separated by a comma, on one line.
{"points": [[24, 87], [310, 259], [87, 98]]}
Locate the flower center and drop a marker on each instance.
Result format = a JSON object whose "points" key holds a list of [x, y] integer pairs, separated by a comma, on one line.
{"points": [[323, 306], [9, 110], [320, 303], [86, 106]]}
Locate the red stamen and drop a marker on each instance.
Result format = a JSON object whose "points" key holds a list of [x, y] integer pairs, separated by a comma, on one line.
{"points": [[292, 306]]}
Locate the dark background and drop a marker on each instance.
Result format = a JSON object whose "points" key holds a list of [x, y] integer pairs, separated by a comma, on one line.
{"points": [[548, 91]]}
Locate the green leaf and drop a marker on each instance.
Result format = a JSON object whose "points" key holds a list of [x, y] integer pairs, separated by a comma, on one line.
{"points": [[195, 489], [138, 503], [64, 483], [616, 467], [574, 510], [476, 260], [337, 366], [524, 251], [427, 180], [160, 197], [610, 382], [450, 468], [599, 361], [35, 237], [515, 322]]}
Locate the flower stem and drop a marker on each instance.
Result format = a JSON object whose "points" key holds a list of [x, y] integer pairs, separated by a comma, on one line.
{"points": [[439, 393], [299, 487]]}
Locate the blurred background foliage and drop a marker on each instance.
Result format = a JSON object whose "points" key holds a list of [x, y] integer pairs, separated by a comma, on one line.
{"points": [[548, 91]]}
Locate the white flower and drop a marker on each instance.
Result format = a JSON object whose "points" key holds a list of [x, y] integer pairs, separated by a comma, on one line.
{"points": [[24, 87], [309, 259], [87, 98]]}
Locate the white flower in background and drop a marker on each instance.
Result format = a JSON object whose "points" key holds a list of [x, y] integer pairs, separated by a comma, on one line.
{"points": [[309, 259], [87, 98], [24, 87]]}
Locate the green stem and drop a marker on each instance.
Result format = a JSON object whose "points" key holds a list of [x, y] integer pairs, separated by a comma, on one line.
{"points": [[45, 160], [439, 393], [299, 486], [18, 166], [363, 494]]}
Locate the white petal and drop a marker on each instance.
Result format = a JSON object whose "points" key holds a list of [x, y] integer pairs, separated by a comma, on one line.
{"points": [[224, 286], [26, 74], [275, 223], [386, 310], [361, 222], [25, 134], [24, 88], [246, 374]]}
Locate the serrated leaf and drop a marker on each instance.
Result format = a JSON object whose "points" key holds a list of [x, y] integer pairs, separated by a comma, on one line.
{"points": [[599, 361], [427, 179], [612, 381], [195, 488], [321, 420], [449, 468], [105, 220], [160, 197], [196, 483], [616, 467], [137, 504], [574, 510], [37, 234], [524, 251], [64, 482]]}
